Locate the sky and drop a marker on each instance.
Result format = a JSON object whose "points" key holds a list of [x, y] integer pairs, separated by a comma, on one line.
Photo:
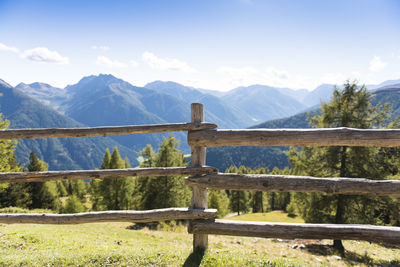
{"points": [[210, 44]]}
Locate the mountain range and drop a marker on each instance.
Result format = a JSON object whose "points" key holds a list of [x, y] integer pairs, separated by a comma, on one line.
{"points": [[61, 153], [106, 100]]}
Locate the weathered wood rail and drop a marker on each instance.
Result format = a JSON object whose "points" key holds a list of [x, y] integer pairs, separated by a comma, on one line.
{"points": [[102, 174], [202, 220], [102, 131], [296, 137], [291, 183], [380, 234], [110, 216]]}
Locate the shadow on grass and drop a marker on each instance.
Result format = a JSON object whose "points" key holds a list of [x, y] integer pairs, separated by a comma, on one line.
{"points": [[194, 258], [350, 257]]}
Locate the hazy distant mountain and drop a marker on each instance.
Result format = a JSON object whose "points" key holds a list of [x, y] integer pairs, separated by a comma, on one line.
{"points": [[298, 94], [216, 110], [321, 93], [61, 153], [263, 103], [107, 100], [44, 93], [211, 92], [4, 84], [383, 84], [388, 94]]}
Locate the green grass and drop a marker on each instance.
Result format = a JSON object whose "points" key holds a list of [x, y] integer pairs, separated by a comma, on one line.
{"points": [[116, 244], [274, 216]]}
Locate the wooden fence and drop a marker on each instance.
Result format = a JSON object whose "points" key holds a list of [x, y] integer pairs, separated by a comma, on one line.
{"points": [[202, 177]]}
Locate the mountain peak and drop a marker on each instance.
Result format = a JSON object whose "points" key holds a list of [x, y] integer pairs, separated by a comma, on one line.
{"points": [[164, 85], [101, 78], [3, 83]]}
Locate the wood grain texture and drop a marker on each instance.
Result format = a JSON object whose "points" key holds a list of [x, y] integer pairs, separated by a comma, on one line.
{"points": [[101, 174], [381, 234], [296, 137], [101, 131], [290, 183], [199, 195], [110, 216]]}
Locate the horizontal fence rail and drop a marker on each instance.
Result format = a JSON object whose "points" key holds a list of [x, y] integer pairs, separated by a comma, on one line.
{"points": [[111, 216], [290, 183], [296, 137], [102, 131], [102, 174], [380, 234]]}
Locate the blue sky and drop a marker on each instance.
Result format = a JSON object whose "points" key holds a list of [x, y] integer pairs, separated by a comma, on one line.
{"points": [[213, 44]]}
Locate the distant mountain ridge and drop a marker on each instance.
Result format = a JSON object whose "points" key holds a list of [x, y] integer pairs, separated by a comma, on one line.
{"points": [[263, 102], [61, 153], [44, 93], [216, 110], [106, 100]]}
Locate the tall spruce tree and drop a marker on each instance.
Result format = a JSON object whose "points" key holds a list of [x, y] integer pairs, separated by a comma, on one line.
{"points": [[349, 107], [9, 192], [41, 195], [115, 193], [163, 191], [219, 200], [239, 200]]}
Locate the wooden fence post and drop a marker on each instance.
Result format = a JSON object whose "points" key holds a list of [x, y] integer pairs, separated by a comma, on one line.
{"points": [[199, 197]]}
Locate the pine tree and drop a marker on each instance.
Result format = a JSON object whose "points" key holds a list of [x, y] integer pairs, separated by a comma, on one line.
{"points": [[239, 200], [257, 197], [115, 193], [43, 195], [163, 191], [218, 199], [349, 107], [106, 160], [73, 205], [10, 193], [7, 157], [279, 201]]}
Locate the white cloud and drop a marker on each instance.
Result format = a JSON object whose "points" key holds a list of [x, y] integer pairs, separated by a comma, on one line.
{"points": [[4, 47], [134, 63], [272, 76], [109, 63], [166, 63], [100, 47], [333, 78], [44, 55], [246, 76], [240, 74], [376, 64]]}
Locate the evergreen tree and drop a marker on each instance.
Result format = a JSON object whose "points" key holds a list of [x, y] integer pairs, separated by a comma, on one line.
{"points": [[257, 197], [43, 195], [163, 191], [218, 199], [77, 188], [9, 192], [106, 160], [239, 200], [73, 205], [115, 193], [8, 161], [349, 107], [281, 200]]}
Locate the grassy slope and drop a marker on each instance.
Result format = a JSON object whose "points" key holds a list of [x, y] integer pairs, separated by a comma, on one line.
{"points": [[114, 244], [274, 216]]}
